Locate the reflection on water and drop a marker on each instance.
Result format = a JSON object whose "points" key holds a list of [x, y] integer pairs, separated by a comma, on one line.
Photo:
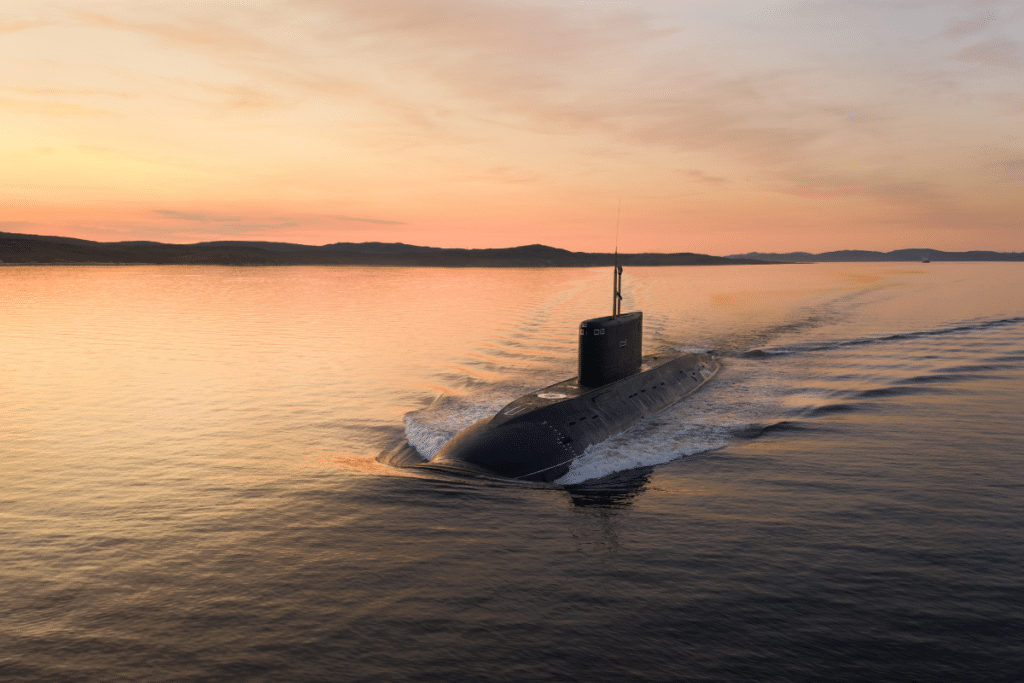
{"points": [[190, 491], [615, 490]]}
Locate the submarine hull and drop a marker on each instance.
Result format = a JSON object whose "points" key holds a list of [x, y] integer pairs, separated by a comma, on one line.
{"points": [[537, 437]]}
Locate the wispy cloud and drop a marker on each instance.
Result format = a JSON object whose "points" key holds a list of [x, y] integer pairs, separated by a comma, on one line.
{"points": [[245, 227], [702, 177], [69, 92], [49, 108], [15, 25], [966, 27], [368, 220], [1008, 170], [240, 224], [202, 218], [848, 185], [208, 29], [7, 226], [1000, 52]]}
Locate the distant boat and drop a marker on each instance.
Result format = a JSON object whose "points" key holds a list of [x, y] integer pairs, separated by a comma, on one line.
{"points": [[925, 259]]}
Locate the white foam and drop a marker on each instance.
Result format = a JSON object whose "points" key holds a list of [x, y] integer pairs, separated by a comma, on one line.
{"points": [[427, 439], [710, 419], [428, 434], [687, 349], [645, 445], [428, 430]]}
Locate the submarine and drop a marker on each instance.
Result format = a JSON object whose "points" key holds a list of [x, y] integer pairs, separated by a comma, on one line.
{"points": [[537, 437]]}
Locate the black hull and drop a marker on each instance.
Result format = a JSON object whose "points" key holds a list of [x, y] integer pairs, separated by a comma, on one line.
{"points": [[536, 437]]}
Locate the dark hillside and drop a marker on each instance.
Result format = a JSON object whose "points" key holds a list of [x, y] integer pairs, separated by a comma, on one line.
{"points": [[36, 249]]}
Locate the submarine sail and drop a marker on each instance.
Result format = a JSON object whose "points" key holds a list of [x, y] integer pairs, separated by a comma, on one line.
{"points": [[539, 435]]}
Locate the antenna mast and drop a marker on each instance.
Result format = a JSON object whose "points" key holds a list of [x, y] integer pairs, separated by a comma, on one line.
{"points": [[617, 274]]}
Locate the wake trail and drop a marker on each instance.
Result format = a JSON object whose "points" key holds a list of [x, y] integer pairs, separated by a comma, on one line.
{"points": [[881, 338]]}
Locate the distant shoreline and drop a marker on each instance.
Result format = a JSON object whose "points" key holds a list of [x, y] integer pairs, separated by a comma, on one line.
{"points": [[900, 255], [20, 250]]}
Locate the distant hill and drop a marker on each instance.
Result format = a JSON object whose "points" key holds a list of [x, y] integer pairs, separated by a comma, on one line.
{"points": [[358, 247], [39, 249], [850, 255]]}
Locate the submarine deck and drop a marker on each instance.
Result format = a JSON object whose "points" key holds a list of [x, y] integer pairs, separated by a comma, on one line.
{"points": [[537, 436], [571, 388]]}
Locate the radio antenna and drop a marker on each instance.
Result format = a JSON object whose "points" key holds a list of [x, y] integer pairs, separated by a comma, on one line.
{"points": [[617, 274]]}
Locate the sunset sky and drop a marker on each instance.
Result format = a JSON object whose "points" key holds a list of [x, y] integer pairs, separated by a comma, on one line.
{"points": [[721, 126]]}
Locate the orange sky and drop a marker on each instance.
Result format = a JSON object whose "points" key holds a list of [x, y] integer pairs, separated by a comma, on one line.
{"points": [[724, 127]]}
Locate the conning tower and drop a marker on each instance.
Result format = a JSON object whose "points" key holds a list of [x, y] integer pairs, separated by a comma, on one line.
{"points": [[611, 347]]}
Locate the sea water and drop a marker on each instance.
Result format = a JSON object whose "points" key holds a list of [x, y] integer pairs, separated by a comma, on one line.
{"points": [[188, 488]]}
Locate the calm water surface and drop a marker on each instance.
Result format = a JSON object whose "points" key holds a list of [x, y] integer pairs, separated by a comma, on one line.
{"points": [[189, 489]]}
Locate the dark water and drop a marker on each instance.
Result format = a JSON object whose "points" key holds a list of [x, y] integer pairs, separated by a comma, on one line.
{"points": [[189, 490]]}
